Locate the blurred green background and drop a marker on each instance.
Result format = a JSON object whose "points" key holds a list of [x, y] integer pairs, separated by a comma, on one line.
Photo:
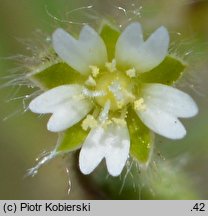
{"points": [[23, 136]]}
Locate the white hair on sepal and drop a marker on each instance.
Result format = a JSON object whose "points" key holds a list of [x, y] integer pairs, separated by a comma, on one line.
{"points": [[128, 168], [14, 82], [146, 180], [38, 52], [132, 173], [45, 158], [192, 52]]}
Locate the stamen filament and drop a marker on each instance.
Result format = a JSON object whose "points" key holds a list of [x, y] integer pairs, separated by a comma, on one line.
{"points": [[93, 94], [104, 114]]}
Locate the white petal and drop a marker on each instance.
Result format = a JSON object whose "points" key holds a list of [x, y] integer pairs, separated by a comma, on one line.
{"points": [[170, 100], [93, 47], [92, 151], [131, 36], [80, 54], [154, 50], [128, 43], [118, 142], [50, 100], [68, 114], [162, 123], [113, 143], [143, 56]]}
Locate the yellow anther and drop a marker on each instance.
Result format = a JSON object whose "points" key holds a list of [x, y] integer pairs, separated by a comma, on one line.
{"points": [[111, 66], [115, 93], [95, 70], [119, 121], [131, 73], [90, 81], [139, 104], [89, 122]]}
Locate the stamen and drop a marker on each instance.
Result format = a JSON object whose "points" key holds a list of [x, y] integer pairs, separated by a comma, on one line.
{"points": [[115, 88], [131, 72], [120, 104], [139, 105], [119, 121], [96, 112], [95, 70], [111, 66], [90, 81], [89, 122], [128, 95], [104, 114], [93, 94], [124, 113]]}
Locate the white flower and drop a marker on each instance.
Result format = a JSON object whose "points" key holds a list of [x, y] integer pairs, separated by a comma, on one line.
{"points": [[157, 105]]}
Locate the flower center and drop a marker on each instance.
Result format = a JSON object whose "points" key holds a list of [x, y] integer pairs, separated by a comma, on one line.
{"points": [[117, 88]]}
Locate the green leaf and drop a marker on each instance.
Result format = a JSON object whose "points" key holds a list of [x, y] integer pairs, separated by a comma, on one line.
{"points": [[55, 75], [168, 72], [110, 36], [141, 138], [71, 139]]}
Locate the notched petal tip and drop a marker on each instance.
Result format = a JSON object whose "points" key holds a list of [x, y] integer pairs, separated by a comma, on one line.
{"points": [[180, 135], [87, 31], [92, 151], [57, 33], [118, 149], [51, 127], [115, 173], [162, 123], [84, 169], [37, 105], [169, 99], [88, 50], [194, 110], [68, 114], [133, 51], [163, 37], [134, 31], [175, 132], [112, 143], [69, 50], [59, 37], [55, 123], [48, 101], [162, 31], [164, 105], [33, 107]]}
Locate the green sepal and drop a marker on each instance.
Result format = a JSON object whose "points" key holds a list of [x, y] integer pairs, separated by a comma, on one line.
{"points": [[110, 35], [168, 72], [71, 139], [141, 138], [55, 75]]}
